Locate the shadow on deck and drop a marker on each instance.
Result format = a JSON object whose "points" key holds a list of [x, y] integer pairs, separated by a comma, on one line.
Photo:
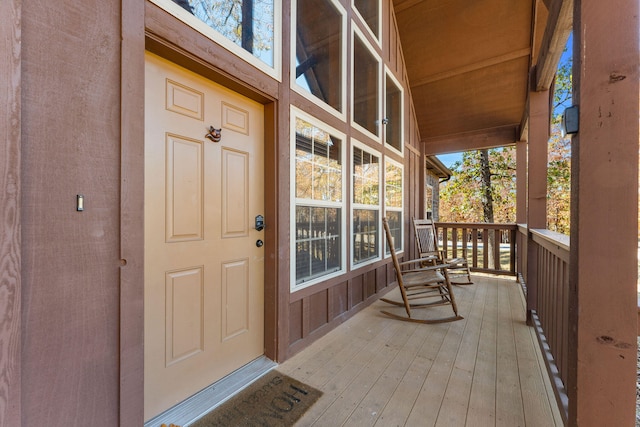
{"points": [[483, 370]]}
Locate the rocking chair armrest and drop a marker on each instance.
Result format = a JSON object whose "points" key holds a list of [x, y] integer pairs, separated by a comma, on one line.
{"points": [[429, 268], [439, 263]]}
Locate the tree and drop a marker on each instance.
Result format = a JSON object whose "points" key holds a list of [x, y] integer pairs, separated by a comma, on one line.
{"points": [[247, 23], [559, 154], [464, 198]]}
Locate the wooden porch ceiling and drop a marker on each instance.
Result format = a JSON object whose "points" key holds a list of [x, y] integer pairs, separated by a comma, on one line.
{"points": [[468, 66]]}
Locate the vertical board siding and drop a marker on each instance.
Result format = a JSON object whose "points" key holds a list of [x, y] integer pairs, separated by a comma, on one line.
{"points": [[71, 79], [295, 321], [318, 310], [340, 300], [131, 222], [10, 215], [357, 292]]}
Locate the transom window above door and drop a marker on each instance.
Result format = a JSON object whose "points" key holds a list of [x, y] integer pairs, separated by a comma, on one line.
{"points": [[251, 29]]}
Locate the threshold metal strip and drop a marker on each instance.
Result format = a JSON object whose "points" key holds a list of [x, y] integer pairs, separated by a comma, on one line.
{"points": [[194, 407]]}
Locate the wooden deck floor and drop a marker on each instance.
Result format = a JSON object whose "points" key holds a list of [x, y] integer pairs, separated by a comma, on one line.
{"points": [[485, 370]]}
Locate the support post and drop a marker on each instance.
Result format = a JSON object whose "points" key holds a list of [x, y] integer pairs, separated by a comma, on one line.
{"points": [[604, 214], [539, 127]]}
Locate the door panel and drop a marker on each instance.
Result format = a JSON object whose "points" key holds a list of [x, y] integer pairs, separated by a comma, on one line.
{"points": [[204, 297]]}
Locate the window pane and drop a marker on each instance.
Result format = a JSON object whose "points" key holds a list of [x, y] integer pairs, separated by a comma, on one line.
{"points": [[318, 237], [318, 163], [319, 50], [369, 11], [366, 174], [428, 201], [393, 127], [395, 227], [365, 235], [365, 87], [393, 186], [247, 23]]}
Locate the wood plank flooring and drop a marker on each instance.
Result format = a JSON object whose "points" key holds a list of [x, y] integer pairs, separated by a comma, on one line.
{"points": [[485, 370]]}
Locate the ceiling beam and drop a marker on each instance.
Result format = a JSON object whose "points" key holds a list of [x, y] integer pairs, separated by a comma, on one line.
{"points": [[475, 140], [489, 62], [556, 34]]}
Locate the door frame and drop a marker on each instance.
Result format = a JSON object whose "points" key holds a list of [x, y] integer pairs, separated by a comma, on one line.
{"points": [[136, 39]]}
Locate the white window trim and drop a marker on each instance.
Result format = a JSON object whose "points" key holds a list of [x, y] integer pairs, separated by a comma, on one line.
{"points": [[384, 107], [356, 32], [342, 115], [388, 160], [357, 144], [294, 113], [376, 37], [195, 23]]}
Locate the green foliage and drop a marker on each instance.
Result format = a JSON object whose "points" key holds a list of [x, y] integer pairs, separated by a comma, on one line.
{"points": [[559, 155], [461, 196]]}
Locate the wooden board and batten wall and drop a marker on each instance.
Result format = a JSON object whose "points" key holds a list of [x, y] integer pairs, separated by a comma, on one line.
{"points": [[81, 99]]}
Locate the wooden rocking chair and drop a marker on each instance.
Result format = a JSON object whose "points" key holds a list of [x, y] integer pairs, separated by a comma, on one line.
{"points": [[427, 241], [427, 286]]}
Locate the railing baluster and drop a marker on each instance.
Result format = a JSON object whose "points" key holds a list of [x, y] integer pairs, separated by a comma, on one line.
{"points": [[497, 240], [454, 242], [512, 251], [474, 237], [485, 249]]}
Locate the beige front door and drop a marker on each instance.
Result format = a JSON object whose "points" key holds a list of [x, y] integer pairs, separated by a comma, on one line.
{"points": [[203, 267]]}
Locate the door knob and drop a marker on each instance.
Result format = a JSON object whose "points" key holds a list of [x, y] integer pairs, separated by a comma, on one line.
{"points": [[259, 243]]}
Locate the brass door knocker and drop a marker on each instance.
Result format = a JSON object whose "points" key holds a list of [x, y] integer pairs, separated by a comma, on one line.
{"points": [[214, 134]]}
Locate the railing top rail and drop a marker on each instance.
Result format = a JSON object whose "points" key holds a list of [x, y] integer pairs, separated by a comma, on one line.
{"points": [[504, 226], [555, 238]]}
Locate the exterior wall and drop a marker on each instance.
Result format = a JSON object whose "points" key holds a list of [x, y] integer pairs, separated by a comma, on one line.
{"points": [[70, 260], [10, 218], [81, 279]]}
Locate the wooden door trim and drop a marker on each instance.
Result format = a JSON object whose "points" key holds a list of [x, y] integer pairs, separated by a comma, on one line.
{"points": [[131, 400]]}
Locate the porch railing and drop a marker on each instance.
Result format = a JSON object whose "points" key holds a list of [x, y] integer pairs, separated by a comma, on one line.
{"points": [[488, 248], [550, 313]]}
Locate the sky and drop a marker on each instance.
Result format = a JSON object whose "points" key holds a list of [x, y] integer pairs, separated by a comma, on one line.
{"points": [[449, 159]]}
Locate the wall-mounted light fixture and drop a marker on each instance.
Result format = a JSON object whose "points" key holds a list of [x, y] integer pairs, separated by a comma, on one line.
{"points": [[570, 121]]}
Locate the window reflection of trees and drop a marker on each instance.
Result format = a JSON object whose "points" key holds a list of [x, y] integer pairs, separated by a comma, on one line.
{"points": [[318, 164], [365, 235], [318, 243], [318, 179], [366, 177], [393, 186], [247, 23], [393, 203], [395, 227]]}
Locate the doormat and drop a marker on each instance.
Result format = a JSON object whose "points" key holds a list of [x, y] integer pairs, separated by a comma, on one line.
{"points": [[274, 399]]}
